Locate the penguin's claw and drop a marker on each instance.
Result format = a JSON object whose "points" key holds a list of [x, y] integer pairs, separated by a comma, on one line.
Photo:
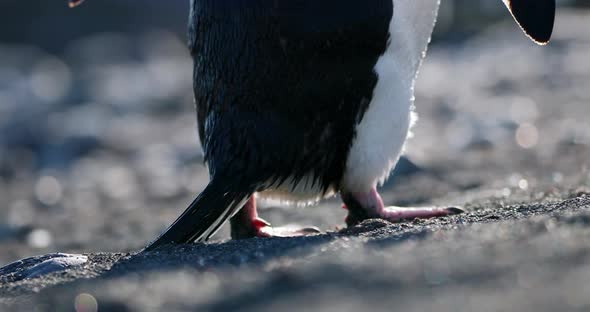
{"points": [[259, 227], [246, 224], [74, 3], [454, 211]]}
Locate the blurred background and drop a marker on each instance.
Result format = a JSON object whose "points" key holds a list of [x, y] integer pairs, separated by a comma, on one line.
{"points": [[98, 140]]}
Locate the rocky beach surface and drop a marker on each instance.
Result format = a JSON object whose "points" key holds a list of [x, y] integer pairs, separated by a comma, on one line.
{"points": [[503, 132]]}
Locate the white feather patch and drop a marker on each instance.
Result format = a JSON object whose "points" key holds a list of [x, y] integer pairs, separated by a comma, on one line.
{"points": [[304, 193], [381, 135]]}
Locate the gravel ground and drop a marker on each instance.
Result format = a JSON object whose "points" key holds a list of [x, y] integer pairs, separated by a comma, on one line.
{"points": [[503, 132]]}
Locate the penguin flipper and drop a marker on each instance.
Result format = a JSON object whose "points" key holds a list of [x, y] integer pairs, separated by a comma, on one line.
{"points": [[204, 216], [535, 17]]}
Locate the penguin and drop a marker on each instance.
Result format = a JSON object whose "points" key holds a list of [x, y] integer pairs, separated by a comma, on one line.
{"points": [[299, 100]]}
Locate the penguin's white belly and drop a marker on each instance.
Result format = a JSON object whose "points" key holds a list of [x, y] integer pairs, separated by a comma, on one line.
{"points": [[385, 126]]}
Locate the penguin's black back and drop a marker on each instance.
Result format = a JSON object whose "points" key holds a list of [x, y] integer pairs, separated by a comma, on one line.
{"points": [[281, 84]]}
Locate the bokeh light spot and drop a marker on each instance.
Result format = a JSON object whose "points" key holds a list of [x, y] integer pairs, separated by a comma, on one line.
{"points": [[527, 135], [119, 182], [39, 238], [85, 303], [51, 79], [523, 184], [48, 190]]}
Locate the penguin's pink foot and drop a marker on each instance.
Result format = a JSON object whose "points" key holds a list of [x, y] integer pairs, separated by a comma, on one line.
{"points": [[369, 205], [247, 224]]}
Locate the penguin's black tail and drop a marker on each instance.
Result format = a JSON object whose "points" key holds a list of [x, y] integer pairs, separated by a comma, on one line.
{"points": [[205, 215]]}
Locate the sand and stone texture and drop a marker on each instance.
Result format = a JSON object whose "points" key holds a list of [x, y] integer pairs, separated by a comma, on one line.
{"points": [[99, 153]]}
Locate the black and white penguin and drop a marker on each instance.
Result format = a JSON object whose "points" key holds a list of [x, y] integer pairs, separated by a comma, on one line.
{"points": [[298, 100]]}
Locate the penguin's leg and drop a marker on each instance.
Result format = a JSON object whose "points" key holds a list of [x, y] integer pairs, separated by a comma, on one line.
{"points": [[247, 224], [368, 205]]}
